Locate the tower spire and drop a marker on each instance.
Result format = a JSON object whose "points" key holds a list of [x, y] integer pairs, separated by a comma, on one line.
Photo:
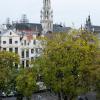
{"points": [[46, 17]]}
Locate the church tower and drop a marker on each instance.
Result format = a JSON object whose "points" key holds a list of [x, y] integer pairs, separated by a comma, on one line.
{"points": [[88, 25], [46, 17]]}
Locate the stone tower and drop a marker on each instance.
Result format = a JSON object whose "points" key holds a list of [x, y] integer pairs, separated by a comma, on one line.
{"points": [[88, 25], [46, 17]]}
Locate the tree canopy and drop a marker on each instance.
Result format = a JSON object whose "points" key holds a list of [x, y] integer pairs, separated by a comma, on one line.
{"points": [[67, 62]]}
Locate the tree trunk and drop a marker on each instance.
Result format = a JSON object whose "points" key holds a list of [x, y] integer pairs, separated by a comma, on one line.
{"points": [[28, 98], [67, 98], [60, 96], [19, 98]]}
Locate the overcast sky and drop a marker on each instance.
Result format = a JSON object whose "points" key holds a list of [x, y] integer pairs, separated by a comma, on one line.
{"points": [[70, 12]]}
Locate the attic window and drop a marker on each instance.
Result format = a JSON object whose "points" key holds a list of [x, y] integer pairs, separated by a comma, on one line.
{"points": [[10, 33]]}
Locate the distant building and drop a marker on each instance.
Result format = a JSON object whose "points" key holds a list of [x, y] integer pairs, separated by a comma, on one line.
{"points": [[93, 28], [21, 36], [46, 22], [27, 46]]}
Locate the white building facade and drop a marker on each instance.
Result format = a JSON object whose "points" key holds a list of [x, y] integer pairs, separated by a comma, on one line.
{"points": [[28, 47]]}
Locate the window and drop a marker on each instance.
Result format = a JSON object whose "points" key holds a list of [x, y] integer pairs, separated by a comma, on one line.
{"points": [[4, 49], [32, 50], [23, 64], [32, 58], [10, 33], [28, 43], [4, 42], [36, 50], [21, 43], [34, 42], [16, 50], [27, 53], [16, 42], [27, 63], [22, 53], [25, 42], [10, 49], [10, 41]]}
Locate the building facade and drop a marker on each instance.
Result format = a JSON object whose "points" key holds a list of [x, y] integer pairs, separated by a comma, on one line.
{"points": [[21, 37], [26, 46]]}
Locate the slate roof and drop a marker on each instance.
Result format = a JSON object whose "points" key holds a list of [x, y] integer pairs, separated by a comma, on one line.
{"points": [[60, 28], [28, 26], [96, 28], [34, 26]]}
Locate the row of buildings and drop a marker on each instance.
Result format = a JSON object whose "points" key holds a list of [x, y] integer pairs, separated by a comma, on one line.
{"points": [[21, 38]]}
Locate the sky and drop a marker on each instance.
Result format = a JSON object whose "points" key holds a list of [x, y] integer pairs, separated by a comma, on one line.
{"points": [[72, 13]]}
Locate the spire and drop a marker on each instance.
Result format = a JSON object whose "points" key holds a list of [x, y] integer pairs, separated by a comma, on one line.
{"points": [[46, 17], [89, 20], [88, 24]]}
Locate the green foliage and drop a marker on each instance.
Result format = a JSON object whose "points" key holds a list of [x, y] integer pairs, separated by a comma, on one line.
{"points": [[68, 61], [8, 70], [26, 81]]}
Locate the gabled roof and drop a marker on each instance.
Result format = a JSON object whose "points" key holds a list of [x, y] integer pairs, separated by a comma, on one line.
{"points": [[9, 33]]}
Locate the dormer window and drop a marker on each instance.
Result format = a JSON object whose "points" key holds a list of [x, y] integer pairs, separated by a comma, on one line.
{"points": [[10, 33]]}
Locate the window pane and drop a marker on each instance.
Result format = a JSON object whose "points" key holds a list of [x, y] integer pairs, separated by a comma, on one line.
{"points": [[4, 42], [16, 50], [32, 50], [22, 53], [10, 41], [27, 53], [10, 49]]}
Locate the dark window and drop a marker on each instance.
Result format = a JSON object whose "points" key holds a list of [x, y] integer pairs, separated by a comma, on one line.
{"points": [[27, 63], [16, 50], [27, 53], [16, 42], [4, 49], [10, 49], [10, 41], [34, 42], [10, 33], [23, 64], [4, 42], [32, 58], [22, 53], [32, 50]]}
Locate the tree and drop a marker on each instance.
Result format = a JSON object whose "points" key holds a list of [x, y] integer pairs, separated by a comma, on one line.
{"points": [[26, 82], [8, 71], [67, 62]]}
